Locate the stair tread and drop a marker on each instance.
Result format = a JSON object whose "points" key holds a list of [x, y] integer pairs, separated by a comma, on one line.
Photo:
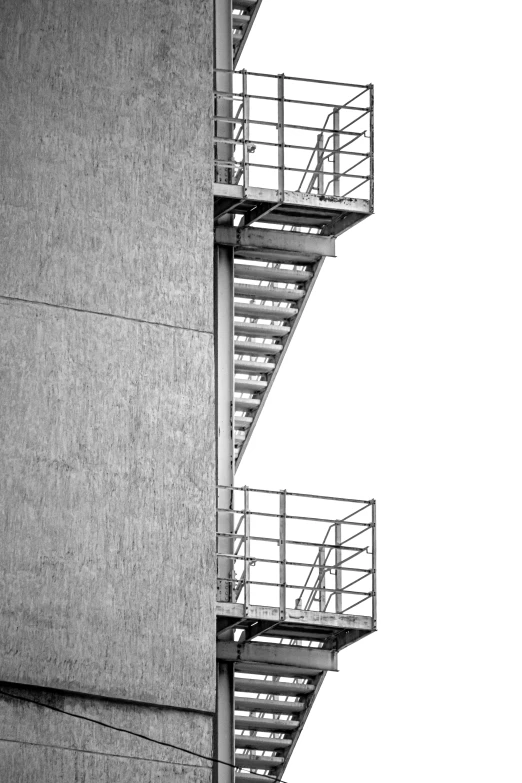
{"points": [[260, 330], [271, 274], [261, 743], [242, 422], [276, 256], [266, 312], [258, 762], [268, 292], [245, 777], [251, 348], [276, 670], [253, 368], [244, 403], [266, 724], [268, 705], [250, 685]]}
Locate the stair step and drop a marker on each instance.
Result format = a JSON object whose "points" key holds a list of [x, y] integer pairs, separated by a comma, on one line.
{"points": [[246, 403], [242, 422], [276, 256], [250, 348], [261, 743], [268, 705], [240, 20], [247, 685], [242, 385], [239, 437], [272, 274], [257, 762], [268, 292], [275, 670], [253, 368], [260, 330], [251, 723], [245, 777], [264, 311]]}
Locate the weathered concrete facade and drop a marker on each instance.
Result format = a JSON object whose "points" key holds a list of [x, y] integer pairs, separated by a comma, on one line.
{"points": [[107, 416]]}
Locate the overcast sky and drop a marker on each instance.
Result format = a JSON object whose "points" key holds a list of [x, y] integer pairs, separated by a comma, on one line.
{"points": [[403, 383]]}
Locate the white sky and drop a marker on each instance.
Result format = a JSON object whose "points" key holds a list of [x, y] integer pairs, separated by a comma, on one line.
{"points": [[403, 383]]}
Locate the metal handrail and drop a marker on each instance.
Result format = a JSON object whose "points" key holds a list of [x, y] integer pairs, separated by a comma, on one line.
{"points": [[320, 147], [331, 560]]}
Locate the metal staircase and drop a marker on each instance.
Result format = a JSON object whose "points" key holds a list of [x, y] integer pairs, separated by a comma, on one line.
{"points": [[278, 204], [270, 711], [297, 567], [291, 568], [271, 288], [243, 15]]}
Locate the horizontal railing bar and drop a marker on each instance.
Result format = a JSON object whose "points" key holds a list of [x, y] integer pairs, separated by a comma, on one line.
{"points": [[298, 564], [240, 121], [296, 543], [293, 78], [341, 150], [239, 164], [298, 587], [366, 503], [232, 96], [291, 516]]}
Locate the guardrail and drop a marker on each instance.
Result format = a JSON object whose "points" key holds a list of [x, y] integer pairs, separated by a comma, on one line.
{"points": [[300, 135], [299, 551]]}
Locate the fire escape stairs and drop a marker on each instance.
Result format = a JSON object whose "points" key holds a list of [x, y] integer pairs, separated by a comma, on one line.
{"points": [[271, 288], [271, 707], [273, 701]]}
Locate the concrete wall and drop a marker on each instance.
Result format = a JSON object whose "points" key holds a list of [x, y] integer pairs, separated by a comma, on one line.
{"points": [[106, 358], [38, 745]]}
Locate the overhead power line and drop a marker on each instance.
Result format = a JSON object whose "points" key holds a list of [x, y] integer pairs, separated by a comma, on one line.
{"points": [[134, 734]]}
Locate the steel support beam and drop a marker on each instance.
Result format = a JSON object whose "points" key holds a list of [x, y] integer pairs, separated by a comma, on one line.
{"points": [[280, 654], [272, 239]]}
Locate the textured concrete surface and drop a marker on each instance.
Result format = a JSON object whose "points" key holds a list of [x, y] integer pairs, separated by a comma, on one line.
{"points": [[37, 744], [107, 470], [106, 307], [106, 156]]}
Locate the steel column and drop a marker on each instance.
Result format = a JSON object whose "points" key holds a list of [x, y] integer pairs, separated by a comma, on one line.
{"points": [[338, 572], [282, 554], [225, 722], [374, 565], [320, 164], [322, 579], [371, 148], [281, 135], [246, 132], [336, 154], [224, 363], [246, 511]]}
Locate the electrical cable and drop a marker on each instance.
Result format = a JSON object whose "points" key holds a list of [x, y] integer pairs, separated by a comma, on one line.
{"points": [[136, 734]]}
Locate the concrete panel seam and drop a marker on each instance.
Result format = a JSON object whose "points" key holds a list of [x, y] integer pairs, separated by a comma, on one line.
{"points": [[102, 753], [107, 315]]}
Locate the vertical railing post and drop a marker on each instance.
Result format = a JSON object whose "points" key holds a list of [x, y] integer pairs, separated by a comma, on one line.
{"points": [[246, 548], [338, 572], [320, 164], [322, 579], [336, 154], [374, 565], [246, 132], [281, 136], [282, 554], [371, 148]]}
